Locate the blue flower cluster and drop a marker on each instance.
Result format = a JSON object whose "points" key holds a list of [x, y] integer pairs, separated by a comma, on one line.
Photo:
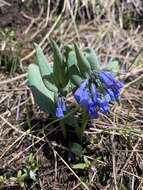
{"points": [[95, 95], [60, 107]]}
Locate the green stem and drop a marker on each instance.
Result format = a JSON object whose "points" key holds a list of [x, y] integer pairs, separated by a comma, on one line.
{"points": [[62, 122], [80, 130]]}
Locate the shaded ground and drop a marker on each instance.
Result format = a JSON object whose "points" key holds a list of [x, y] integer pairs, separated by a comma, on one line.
{"points": [[115, 141]]}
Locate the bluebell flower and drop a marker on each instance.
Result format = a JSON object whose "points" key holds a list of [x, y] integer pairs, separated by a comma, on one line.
{"points": [[86, 98], [81, 94], [103, 104], [93, 113], [107, 96], [110, 92], [106, 78], [95, 96], [109, 80], [112, 85], [59, 113], [60, 107], [93, 92], [116, 92], [87, 104]]}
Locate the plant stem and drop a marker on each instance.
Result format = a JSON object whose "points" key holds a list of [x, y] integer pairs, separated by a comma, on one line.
{"points": [[81, 129], [63, 129]]}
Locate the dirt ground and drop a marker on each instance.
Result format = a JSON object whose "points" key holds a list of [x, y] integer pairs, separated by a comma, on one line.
{"points": [[115, 30]]}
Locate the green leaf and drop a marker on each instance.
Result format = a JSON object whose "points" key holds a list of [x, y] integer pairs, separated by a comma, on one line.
{"points": [[80, 166], [74, 73], [82, 62], [59, 67], [43, 96], [86, 160], [45, 69], [19, 174], [66, 89], [50, 84], [67, 49], [92, 58], [112, 66], [25, 174], [76, 149]]}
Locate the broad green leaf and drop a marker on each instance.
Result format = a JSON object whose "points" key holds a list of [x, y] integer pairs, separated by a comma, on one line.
{"points": [[82, 62], [92, 58], [112, 66], [45, 69], [59, 67], [76, 149], [49, 83], [43, 96], [74, 73]]}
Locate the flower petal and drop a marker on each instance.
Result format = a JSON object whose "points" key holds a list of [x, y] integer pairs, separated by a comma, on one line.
{"points": [[106, 78], [59, 113], [103, 105], [110, 92], [93, 113]]}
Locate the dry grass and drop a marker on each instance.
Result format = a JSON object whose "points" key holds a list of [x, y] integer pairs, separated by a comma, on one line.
{"points": [[114, 29]]}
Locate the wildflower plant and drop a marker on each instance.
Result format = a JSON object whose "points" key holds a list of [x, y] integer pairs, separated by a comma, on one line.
{"points": [[78, 73]]}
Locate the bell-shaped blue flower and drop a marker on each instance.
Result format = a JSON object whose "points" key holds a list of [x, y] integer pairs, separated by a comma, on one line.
{"points": [[106, 78], [94, 96], [93, 113], [110, 92], [103, 104], [59, 113], [107, 96], [81, 94], [109, 80], [87, 104], [60, 107], [93, 92], [116, 92]]}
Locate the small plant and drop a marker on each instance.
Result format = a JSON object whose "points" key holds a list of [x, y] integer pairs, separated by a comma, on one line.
{"points": [[21, 177], [78, 72], [27, 172], [86, 164]]}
